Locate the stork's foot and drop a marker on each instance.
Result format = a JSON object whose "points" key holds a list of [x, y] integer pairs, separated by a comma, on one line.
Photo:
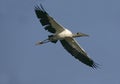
{"points": [[39, 43], [42, 42]]}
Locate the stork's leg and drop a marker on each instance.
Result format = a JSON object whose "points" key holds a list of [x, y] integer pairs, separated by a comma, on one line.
{"points": [[42, 42]]}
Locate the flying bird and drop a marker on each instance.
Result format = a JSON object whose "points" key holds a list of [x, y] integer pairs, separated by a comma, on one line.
{"points": [[65, 36]]}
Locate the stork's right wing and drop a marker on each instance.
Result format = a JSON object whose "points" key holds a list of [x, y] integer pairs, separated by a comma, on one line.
{"points": [[47, 21], [75, 50]]}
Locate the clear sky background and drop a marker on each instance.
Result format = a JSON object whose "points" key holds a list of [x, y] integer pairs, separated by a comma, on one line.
{"points": [[21, 62]]}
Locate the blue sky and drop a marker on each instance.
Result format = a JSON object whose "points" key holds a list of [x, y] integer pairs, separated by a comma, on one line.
{"points": [[21, 62]]}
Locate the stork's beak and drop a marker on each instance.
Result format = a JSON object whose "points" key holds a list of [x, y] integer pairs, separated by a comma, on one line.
{"points": [[80, 35], [86, 35]]}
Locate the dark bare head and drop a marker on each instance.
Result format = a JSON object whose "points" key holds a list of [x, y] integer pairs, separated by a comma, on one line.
{"points": [[79, 35]]}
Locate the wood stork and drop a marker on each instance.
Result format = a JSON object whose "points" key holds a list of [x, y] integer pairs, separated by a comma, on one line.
{"points": [[65, 36]]}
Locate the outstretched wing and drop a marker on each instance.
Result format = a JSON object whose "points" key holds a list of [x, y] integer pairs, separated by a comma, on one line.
{"points": [[47, 21], [75, 50]]}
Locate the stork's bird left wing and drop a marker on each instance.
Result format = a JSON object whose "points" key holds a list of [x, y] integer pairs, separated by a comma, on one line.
{"points": [[75, 50], [47, 21]]}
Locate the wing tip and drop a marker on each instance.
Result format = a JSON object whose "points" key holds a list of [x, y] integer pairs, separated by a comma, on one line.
{"points": [[39, 8], [95, 66]]}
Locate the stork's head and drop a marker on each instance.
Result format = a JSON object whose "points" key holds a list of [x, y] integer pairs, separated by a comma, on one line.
{"points": [[80, 34]]}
